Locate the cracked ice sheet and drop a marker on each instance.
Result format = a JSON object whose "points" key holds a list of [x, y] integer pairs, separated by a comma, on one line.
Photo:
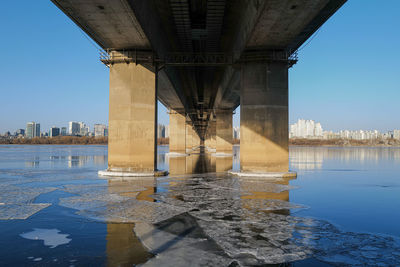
{"points": [[16, 202], [121, 187], [245, 229], [17, 194], [178, 250], [253, 236], [20, 211], [277, 238], [115, 208]]}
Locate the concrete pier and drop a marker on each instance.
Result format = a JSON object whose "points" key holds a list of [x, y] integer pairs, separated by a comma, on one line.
{"points": [[223, 164], [224, 133], [195, 140], [239, 56], [132, 119], [177, 132], [189, 136], [211, 133], [264, 118]]}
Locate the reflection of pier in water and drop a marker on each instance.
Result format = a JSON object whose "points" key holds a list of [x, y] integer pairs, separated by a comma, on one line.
{"points": [[198, 181], [199, 161], [123, 246]]}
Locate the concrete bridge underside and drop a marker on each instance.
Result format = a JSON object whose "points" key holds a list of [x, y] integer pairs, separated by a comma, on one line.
{"points": [[201, 59]]}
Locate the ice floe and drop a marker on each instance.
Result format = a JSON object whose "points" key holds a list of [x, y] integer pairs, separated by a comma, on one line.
{"points": [[51, 237], [20, 211], [207, 219]]}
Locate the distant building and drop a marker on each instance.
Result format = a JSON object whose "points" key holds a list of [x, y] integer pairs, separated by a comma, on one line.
{"points": [[37, 130], [306, 129], [63, 131], [20, 132], [32, 129], [83, 129], [396, 134], [161, 131], [166, 131], [100, 130], [236, 132], [359, 135], [54, 131], [74, 128]]}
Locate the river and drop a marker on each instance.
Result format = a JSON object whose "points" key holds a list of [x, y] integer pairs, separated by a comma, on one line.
{"points": [[342, 209]]}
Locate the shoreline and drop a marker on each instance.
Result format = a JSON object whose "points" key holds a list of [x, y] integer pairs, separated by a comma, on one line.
{"points": [[76, 140], [290, 145]]}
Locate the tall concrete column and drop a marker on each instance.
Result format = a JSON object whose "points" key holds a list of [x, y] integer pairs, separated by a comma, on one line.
{"points": [[195, 140], [213, 132], [177, 132], [177, 165], [224, 133], [132, 140], [189, 134], [207, 140], [264, 118], [223, 164]]}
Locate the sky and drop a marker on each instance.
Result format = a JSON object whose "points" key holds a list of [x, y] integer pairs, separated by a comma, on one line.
{"points": [[347, 76]]}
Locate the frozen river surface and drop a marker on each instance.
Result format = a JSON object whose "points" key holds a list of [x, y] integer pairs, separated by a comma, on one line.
{"points": [[342, 209]]}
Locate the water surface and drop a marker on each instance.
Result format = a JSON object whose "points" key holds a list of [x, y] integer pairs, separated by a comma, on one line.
{"points": [[343, 208]]}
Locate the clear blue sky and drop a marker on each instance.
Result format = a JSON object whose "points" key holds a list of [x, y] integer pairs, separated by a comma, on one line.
{"points": [[347, 77]]}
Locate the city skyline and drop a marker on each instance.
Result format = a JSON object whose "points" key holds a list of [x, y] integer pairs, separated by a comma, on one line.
{"points": [[357, 95], [303, 128]]}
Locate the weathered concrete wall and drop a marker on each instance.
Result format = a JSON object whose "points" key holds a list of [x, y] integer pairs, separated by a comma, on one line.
{"points": [[213, 133], [207, 140], [189, 135], [224, 134], [132, 125], [195, 140], [264, 118], [177, 132], [223, 164], [177, 165]]}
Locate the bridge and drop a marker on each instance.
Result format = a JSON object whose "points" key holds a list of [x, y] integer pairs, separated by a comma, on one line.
{"points": [[201, 59]]}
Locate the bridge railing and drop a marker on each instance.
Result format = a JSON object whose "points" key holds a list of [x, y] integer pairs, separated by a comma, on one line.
{"points": [[111, 56]]}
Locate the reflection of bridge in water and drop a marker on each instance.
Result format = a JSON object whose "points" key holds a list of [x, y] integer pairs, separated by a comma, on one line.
{"points": [[200, 206], [170, 215]]}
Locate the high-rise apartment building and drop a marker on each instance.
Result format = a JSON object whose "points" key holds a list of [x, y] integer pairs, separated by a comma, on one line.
{"points": [[161, 131], [63, 131], [83, 129], [32, 129], [37, 130], [20, 132], [236, 132], [54, 131], [396, 134], [166, 131], [306, 129], [100, 130], [74, 128]]}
